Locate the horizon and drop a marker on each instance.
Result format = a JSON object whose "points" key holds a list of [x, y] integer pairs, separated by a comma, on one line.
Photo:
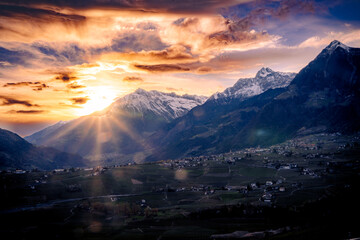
{"points": [[79, 58]]}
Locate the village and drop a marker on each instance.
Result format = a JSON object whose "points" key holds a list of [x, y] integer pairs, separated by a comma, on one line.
{"points": [[281, 176]]}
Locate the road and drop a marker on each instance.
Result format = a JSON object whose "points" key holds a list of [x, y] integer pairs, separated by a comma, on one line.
{"points": [[52, 203]]}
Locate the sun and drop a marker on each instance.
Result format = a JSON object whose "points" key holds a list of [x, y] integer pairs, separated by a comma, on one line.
{"points": [[99, 98]]}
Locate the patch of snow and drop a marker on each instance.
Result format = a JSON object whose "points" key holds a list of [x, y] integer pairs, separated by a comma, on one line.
{"points": [[335, 44], [265, 79], [167, 105]]}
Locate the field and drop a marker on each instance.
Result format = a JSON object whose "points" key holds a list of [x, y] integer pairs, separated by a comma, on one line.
{"points": [[305, 194]]}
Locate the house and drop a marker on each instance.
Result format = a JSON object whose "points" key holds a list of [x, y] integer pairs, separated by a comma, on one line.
{"points": [[267, 197], [20, 172], [269, 183]]}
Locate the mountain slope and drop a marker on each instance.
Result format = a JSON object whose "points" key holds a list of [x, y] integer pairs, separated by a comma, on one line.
{"points": [[324, 96], [244, 88], [44, 133], [119, 132], [15, 152]]}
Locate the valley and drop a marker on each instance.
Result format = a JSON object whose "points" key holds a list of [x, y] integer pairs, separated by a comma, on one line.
{"points": [[263, 191]]}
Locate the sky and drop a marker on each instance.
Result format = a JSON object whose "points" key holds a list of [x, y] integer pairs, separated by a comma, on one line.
{"points": [[62, 59]]}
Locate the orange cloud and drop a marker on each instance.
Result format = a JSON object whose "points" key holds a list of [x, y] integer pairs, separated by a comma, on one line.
{"points": [[162, 68], [79, 100], [7, 101], [132, 79]]}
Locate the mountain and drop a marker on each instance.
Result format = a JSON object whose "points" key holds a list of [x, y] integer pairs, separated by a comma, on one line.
{"points": [[323, 97], [15, 152], [44, 132], [244, 88], [119, 132], [167, 106]]}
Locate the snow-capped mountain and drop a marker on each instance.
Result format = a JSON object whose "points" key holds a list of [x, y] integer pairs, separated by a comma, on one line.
{"points": [[323, 97], [118, 132], [167, 105], [334, 45], [244, 88]]}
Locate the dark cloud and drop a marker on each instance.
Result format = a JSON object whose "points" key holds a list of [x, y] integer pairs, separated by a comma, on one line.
{"points": [[65, 76], [74, 86], [79, 100], [186, 22], [132, 79], [162, 68], [177, 6], [136, 41], [27, 111], [17, 84], [7, 101], [40, 87], [174, 52], [36, 86], [24, 11], [262, 12], [204, 69], [290, 7]]}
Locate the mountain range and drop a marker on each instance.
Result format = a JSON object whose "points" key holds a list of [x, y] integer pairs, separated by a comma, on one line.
{"points": [[119, 131], [323, 96], [15, 152], [264, 110], [244, 88]]}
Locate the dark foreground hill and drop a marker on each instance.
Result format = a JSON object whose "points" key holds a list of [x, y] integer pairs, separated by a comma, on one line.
{"points": [[15, 152]]}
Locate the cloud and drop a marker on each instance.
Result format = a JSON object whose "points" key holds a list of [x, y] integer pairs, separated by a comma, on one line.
{"points": [[7, 101], [27, 111], [75, 86], [11, 58], [204, 69], [17, 84], [65, 76], [160, 6], [174, 89], [132, 79], [36, 86], [172, 54], [136, 41], [79, 100], [162, 68], [348, 37], [21, 22]]}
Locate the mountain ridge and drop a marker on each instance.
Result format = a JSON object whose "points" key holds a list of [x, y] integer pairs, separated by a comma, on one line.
{"points": [[244, 88], [120, 130], [323, 95], [15, 152]]}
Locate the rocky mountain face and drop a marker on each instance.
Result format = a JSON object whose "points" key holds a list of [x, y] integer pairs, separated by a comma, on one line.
{"points": [[120, 131], [324, 96], [244, 88], [15, 152]]}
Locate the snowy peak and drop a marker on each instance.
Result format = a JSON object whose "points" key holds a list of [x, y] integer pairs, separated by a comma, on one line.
{"points": [[264, 79], [166, 105], [335, 45], [264, 72]]}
